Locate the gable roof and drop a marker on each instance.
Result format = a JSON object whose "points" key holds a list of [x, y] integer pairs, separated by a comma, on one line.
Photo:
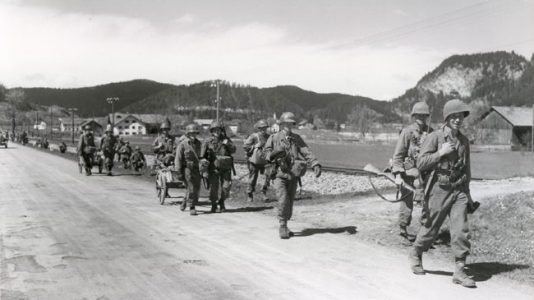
{"points": [[517, 116]]}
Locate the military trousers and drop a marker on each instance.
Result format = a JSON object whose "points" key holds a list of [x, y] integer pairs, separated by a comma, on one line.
{"points": [[192, 182], [286, 190], [406, 206], [87, 161], [253, 173], [443, 202], [219, 179], [108, 159]]}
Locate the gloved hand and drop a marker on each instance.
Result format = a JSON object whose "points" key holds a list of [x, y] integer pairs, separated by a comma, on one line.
{"points": [[317, 170]]}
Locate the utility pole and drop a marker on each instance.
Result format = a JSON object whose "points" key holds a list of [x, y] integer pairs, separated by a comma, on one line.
{"points": [[532, 131], [218, 97], [51, 116], [72, 110], [112, 100]]}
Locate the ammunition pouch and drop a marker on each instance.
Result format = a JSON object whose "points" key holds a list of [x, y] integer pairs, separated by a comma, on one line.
{"points": [[450, 179], [257, 157], [223, 162], [299, 167]]}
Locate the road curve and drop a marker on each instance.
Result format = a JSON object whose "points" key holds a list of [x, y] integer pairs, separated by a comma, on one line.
{"points": [[68, 236]]}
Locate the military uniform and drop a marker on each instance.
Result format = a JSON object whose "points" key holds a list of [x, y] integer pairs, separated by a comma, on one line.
{"points": [[447, 191], [107, 146], [164, 149], [138, 159], [404, 163], [212, 148], [187, 165], [285, 182], [255, 141], [125, 151], [86, 149]]}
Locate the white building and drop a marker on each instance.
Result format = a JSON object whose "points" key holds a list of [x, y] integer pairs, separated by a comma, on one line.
{"points": [[130, 125]]}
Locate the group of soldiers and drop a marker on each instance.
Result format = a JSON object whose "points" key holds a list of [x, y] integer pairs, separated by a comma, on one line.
{"points": [[109, 147], [437, 164]]}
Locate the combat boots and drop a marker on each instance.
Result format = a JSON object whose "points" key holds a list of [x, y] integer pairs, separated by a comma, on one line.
{"points": [[416, 260], [404, 237], [284, 232], [183, 205], [213, 208], [192, 211], [250, 197], [460, 277], [222, 208]]}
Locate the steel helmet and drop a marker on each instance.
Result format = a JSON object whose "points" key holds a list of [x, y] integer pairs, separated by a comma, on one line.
{"points": [[288, 117], [261, 124], [165, 126], [420, 108], [455, 106], [216, 124], [192, 128]]}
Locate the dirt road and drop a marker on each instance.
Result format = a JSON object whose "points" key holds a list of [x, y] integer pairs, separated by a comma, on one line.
{"points": [[68, 236]]}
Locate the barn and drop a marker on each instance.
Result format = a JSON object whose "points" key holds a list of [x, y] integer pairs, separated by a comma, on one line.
{"points": [[505, 125]]}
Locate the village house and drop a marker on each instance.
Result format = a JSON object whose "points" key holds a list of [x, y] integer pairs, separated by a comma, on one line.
{"points": [[505, 125]]}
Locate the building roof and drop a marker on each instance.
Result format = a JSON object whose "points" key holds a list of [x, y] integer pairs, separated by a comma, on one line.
{"points": [[145, 118], [517, 116]]}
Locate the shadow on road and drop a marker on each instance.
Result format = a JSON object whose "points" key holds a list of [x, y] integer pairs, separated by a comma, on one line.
{"points": [[485, 270], [312, 231], [248, 209], [442, 273]]}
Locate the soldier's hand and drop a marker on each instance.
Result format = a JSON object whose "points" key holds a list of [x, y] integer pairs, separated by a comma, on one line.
{"points": [[317, 170], [446, 148], [225, 141], [398, 180]]}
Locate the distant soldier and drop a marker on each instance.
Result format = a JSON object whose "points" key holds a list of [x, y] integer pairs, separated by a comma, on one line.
{"points": [[63, 147], [254, 146], [107, 145], [290, 156], [405, 168], [187, 166], [163, 146], [125, 151], [138, 159], [86, 149], [217, 152], [445, 154]]}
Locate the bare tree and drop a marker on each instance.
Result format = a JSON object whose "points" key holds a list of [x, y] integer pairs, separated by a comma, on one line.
{"points": [[14, 98], [362, 118]]}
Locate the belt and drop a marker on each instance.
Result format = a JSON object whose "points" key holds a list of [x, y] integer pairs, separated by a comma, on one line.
{"points": [[443, 172]]}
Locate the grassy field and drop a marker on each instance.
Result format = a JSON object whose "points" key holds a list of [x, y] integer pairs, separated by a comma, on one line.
{"points": [[484, 165]]}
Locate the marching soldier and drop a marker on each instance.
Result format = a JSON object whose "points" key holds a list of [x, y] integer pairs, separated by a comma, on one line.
{"points": [[187, 166], [138, 159], [445, 154], [217, 152], [86, 149], [290, 156], [163, 145], [107, 145], [404, 165], [254, 146]]}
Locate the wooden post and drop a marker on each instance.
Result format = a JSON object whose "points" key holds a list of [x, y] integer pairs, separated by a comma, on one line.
{"points": [[532, 131]]}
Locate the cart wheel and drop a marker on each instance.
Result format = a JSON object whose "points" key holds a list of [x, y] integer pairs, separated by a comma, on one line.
{"points": [[162, 193]]}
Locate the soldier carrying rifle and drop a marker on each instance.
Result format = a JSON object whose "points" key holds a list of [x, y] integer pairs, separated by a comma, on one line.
{"points": [[86, 149], [445, 155], [404, 165], [254, 146], [187, 165]]}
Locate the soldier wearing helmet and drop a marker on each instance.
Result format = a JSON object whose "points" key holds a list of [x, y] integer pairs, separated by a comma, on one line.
{"points": [[187, 165], [163, 146], [290, 156], [138, 159], [404, 165], [445, 155], [216, 153], [125, 153], [86, 149], [254, 146], [108, 143]]}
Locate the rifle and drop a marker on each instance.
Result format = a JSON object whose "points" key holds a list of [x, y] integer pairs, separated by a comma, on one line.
{"points": [[372, 170]]}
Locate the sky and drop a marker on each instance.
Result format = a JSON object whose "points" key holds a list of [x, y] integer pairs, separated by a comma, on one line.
{"points": [[372, 48]]}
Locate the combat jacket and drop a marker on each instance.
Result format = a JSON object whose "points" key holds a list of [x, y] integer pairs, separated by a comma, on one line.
{"points": [[187, 154], [408, 147], [295, 148], [164, 145], [213, 147], [458, 161], [86, 140], [138, 156], [108, 143], [125, 150], [257, 138]]}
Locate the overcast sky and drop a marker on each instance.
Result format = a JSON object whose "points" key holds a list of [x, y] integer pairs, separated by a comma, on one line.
{"points": [[362, 47]]}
